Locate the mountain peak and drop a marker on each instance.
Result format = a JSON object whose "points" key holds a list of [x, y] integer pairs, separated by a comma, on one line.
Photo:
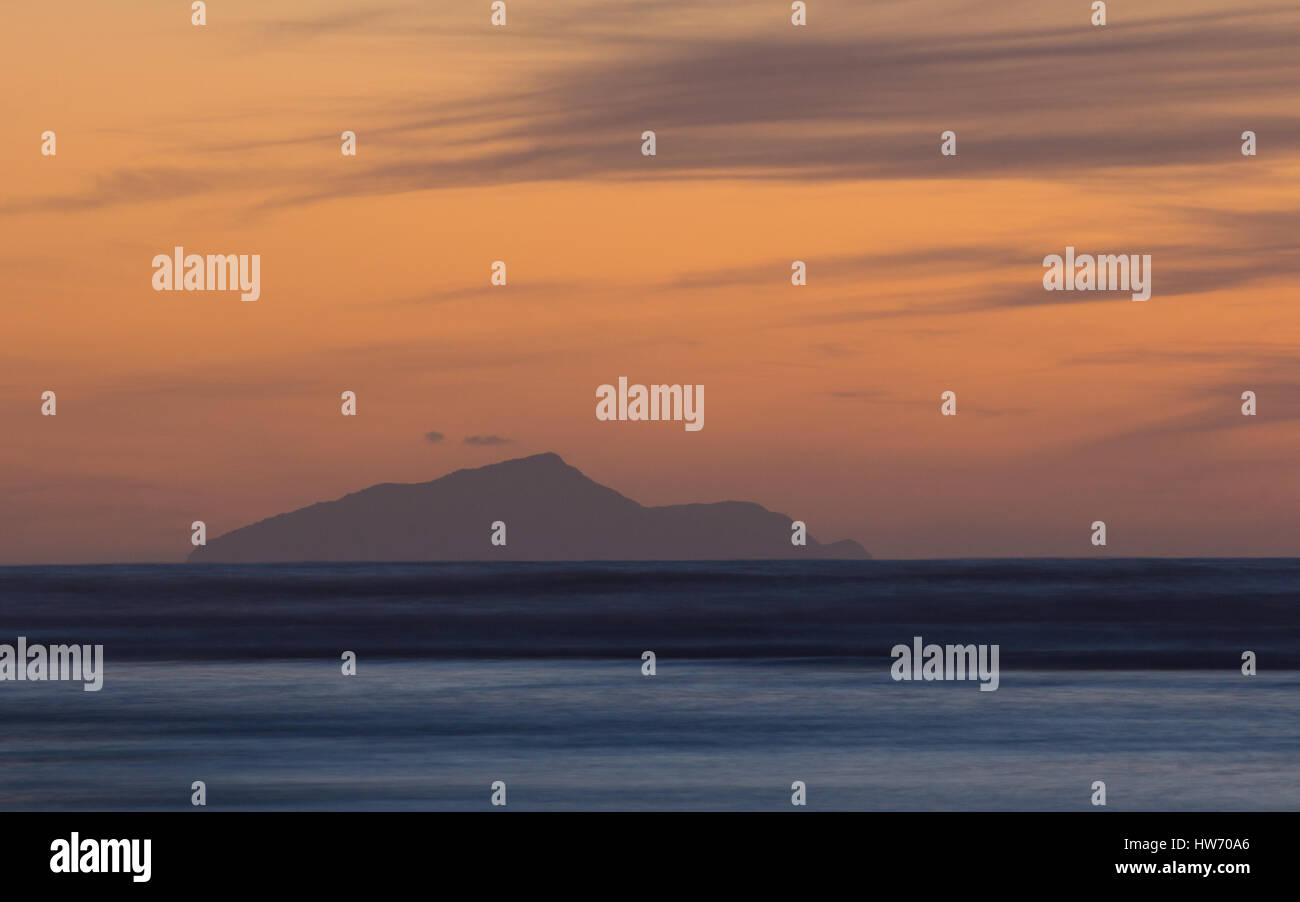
{"points": [[542, 461]]}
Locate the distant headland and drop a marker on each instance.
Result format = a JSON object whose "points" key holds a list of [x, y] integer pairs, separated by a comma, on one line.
{"points": [[534, 508]]}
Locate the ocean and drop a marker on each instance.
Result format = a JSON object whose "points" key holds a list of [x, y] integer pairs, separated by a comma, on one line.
{"points": [[1121, 671]]}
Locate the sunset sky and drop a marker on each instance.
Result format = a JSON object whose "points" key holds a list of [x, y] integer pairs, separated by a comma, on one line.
{"points": [[775, 143]]}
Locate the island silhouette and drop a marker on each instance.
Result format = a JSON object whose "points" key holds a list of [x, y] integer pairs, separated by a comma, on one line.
{"points": [[550, 510]]}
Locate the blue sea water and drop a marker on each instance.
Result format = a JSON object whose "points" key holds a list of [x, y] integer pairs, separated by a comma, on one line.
{"points": [[1126, 671]]}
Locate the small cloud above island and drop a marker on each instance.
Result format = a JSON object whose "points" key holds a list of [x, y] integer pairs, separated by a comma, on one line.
{"points": [[432, 437]]}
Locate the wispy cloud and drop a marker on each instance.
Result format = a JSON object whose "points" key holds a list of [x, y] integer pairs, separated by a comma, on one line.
{"points": [[807, 104]]}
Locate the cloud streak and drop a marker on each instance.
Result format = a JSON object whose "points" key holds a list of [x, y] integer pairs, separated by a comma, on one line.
{"points": [[855, 102]]}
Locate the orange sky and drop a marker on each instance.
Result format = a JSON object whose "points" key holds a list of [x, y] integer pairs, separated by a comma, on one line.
{"points": [[775, 143]]}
